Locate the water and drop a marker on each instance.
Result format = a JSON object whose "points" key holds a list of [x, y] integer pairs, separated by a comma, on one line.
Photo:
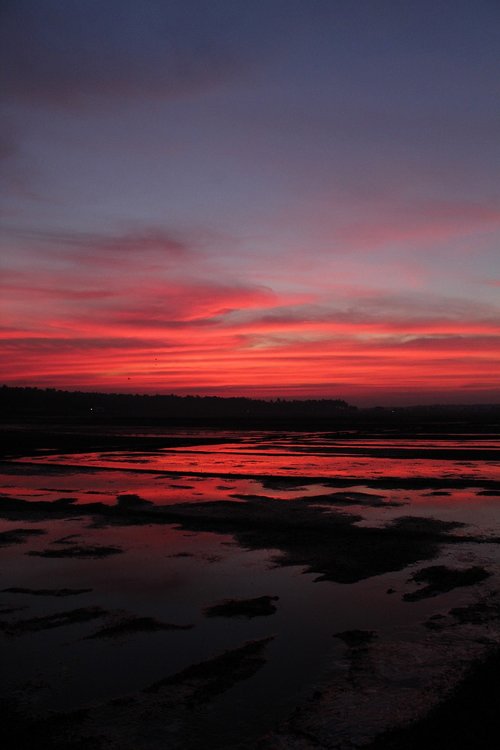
{"points": [[309, 455], [172, 574]]}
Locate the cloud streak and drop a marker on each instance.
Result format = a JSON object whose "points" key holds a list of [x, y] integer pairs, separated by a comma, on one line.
{"points": [[205, 336]]}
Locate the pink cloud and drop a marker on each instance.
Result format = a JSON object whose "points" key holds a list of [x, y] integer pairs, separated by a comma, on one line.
{"points": [[81, 323], [423, 223]]}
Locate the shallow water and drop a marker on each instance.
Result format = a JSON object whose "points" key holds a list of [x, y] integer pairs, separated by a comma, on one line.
{"points": [[309, 455], [172, 574]]}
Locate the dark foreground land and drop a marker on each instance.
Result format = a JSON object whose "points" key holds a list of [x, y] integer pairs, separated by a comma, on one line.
{"points": [[468, 718], [401, 592]]}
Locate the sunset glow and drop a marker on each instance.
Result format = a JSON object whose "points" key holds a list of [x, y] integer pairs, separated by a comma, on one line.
{"points": [[293, 200]]}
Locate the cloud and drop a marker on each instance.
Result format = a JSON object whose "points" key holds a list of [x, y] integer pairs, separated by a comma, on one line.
{"points": [[94, 248], [227, 366], [140, 283], [207, 337], [138, 310], [64, 55], [70, 54], [424, 223], [369, 314]]}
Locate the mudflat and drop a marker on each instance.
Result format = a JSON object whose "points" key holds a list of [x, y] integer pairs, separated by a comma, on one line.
{"points": [[297, 589]]}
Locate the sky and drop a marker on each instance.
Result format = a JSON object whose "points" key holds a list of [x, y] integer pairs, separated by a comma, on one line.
{"points": [[276, 198]]}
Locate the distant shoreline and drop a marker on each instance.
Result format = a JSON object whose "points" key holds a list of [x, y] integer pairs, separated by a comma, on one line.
{"points": [[38, 406]]}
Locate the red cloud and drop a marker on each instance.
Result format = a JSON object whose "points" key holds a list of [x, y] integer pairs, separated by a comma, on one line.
{"points": [[84, 324]]}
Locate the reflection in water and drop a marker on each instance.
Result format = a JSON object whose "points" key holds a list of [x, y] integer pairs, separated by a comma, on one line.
{"points": [[172, 575], [309, 455]]}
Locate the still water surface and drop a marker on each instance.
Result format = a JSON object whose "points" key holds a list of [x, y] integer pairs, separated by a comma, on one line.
{"points": [[172, 574]]}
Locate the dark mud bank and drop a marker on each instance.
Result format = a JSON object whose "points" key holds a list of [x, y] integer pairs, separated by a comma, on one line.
{"points": [[324, 541]]}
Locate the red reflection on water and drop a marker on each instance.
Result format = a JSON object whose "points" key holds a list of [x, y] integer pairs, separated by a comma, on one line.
{"points": [[310, 456], [103, 486]]}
